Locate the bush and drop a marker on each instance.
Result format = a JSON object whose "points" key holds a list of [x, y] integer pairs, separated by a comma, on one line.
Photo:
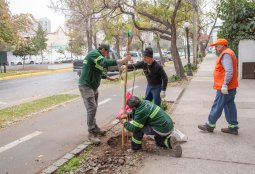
{"points": [[174, 78], [193, 67]]}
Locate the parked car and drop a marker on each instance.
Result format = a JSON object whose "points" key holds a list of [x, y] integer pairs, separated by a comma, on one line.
{"points": [[67, 60], [136, 56], [77, 65], [16, 61], [157, 58], [59, 60], [20, 61], [44, 61]]}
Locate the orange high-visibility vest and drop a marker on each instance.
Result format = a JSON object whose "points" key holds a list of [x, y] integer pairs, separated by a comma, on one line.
{"points": [[219, 71]]}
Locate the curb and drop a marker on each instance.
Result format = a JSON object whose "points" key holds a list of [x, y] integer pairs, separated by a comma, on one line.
{"points": [[34, 74], [56, 165], [177, 99]]}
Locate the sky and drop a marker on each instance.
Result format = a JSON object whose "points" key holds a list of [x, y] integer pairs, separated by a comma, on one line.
{"points": [[39, 9]]}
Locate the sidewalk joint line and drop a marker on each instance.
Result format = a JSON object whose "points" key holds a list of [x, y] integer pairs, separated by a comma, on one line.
{"points": [[222, 161]]}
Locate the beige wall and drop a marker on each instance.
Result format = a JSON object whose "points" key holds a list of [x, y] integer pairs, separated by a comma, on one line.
{"points": [[57, 39], [246, 53]]}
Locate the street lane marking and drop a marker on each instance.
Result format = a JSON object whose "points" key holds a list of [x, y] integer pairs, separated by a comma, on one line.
{"points": [[21, 140], [130, 89], [104, 101]]}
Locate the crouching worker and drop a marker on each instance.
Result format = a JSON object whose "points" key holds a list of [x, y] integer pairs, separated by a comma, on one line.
{"points": [[150, 119]]}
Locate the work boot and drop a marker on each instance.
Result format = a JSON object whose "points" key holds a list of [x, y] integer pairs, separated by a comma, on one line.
{"points": [[229, 130], [99, 131], [93, 139], [206, 127], [176, 147]]}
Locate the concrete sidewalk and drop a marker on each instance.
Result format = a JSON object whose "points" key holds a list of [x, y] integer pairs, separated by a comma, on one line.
{"points": [[206, 152]]}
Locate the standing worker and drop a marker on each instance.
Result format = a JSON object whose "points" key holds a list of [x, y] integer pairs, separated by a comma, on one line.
{"points": [[225, 82], [150, 119], [156, 77], [92, 72]]}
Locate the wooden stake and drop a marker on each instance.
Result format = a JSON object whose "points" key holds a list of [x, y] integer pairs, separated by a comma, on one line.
{"points": [[125, 87]]}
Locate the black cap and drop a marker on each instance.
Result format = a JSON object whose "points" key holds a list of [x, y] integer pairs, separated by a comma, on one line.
{"points": [[105, 46], [133, 102], [148, 52]]}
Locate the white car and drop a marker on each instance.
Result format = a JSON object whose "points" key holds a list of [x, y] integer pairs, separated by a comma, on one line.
{"points": [[135, 57], [59, 60], [20, 61], [16, 61], [40, 61]]}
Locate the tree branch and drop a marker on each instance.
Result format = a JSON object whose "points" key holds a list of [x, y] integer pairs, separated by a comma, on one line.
{"points": [[175, 11], [165, 37], [139, 27]]}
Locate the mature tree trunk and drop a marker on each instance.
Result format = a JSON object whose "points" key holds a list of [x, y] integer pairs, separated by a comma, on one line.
{"points": [[160, 53], [177, 61], [117, 38], [204, 47], [142, 41], [89, 33], [23, 66], [94, 31], [95, 39], [41, 55]]}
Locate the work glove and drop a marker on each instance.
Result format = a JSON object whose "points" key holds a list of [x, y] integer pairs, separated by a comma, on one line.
{"points": [[123, 67], [163, 94], [124, 60], [224, 89]]}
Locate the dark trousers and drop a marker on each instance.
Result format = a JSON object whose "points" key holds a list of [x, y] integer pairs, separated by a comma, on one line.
{"points": [[226, 102], [153, 93], [90, 98], [136, 142]]}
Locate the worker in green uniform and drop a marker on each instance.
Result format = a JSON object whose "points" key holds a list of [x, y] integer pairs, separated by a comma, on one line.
{"points": [[150, 119], [91, 75]]}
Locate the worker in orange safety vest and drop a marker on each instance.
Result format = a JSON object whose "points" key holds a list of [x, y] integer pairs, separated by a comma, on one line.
{"points": [[225, 82]]}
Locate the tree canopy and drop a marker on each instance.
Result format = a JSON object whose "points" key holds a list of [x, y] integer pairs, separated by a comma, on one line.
{"points": [[239, 21], [39, 40], [7, 30]]}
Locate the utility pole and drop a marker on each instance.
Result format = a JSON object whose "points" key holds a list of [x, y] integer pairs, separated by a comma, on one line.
{"points": [[195, 14]]}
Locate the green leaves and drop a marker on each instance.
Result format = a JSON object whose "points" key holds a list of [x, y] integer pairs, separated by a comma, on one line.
{"points": [[7, 31], [39, 41], [239, 21]]}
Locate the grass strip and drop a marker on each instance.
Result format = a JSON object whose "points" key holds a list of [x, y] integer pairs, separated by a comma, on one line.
{"points": [[22, 110], [138, 73], [75, 162]]}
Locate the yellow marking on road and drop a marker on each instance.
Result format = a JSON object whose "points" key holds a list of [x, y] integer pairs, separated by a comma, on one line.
{"points": [[34, 74]]}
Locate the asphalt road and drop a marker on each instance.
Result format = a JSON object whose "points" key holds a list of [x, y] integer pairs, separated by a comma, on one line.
{"points": [[48, 136], [16, 91], [31, 145]]}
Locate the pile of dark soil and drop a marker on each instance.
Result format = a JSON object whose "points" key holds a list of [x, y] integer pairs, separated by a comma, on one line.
{"points": [[110, 157]]}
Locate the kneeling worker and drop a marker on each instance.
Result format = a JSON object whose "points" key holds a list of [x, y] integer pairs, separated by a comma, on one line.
{"points": [[150, 119]]}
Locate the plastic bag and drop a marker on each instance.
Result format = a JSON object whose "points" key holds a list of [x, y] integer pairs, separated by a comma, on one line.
{"points": [[121, 112], [179, 135]]}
